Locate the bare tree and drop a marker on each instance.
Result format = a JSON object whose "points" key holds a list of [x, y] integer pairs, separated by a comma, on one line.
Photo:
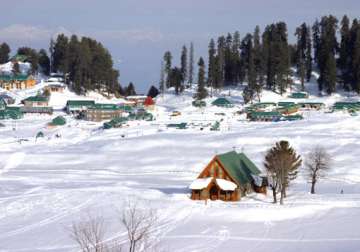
{"points": [[139, 224], [89, 234], [281, 163], [317, 163]]}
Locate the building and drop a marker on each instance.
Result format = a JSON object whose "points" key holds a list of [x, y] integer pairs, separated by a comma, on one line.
{"points": [[9, 112], [222, 102], [37, 104], [299, 95], [138, 100], [263, 116], [149, 103], [21, 81], [55, 87], [100, 112], [77, 106], [311, 105], [228, 177]]}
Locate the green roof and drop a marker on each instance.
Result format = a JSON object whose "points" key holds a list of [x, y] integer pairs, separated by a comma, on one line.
{"points": [[104, 106], [177, 125], [80, 103], [311, 103], [239, 166], [222, 102], [293, 117], [263, 104], [286, 104], [37, 98], [11, 113], [299, 95], [20, 77], [59, 121]]}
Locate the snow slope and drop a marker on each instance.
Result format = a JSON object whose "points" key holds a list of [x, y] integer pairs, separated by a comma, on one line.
{"points": [[47, 184]]}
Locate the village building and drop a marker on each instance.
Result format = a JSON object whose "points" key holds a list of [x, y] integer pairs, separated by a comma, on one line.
{"points": [[55, 87], [9, 112], [299, 95], [37, 104], [311, 105], [222, 102], [100, 112], [78, 106], [21, 81], [138, 100], [228, 177], [149, 103], [264, 116]]}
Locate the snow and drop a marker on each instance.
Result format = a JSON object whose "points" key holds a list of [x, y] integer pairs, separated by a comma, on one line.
{"points": [[226, 185], [200, 183], [8, 67], [48, 184], [257, 180]]}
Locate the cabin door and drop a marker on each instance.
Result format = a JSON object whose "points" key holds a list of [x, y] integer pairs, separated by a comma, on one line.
{"points": [[214, 192]]}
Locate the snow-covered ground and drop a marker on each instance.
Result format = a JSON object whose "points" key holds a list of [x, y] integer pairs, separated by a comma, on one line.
{"points": [[49, 183]]}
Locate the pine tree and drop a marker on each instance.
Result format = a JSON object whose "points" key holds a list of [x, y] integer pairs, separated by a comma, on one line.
{"points": [[220, 63], [329, 74], [184, 63], [167, 61], [236, 57], [316, 40], [355, 64], [51, 50], [153, 92], [44, 62], [259, 71], [4, 53], [211, 65], [16, 69], [301, 34], [228, 61], [162, 78], [176, 80], [130, 90], [345, 53], [191, 64], [308, 54], [32, 57], [60, 63], [201, 90]]}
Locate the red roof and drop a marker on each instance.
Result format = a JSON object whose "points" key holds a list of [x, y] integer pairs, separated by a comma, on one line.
{"points": [[149, 101]]}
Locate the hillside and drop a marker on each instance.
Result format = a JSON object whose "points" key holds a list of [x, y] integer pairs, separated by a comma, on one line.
{"points": [[49, 183]]}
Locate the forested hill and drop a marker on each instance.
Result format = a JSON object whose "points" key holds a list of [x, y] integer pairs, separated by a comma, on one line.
{"points": [[267, 59]]}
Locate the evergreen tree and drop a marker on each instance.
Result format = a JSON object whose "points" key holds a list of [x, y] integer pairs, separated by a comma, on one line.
{"points": [[228, 61], [316, 40], [355, 57], [167, 61], [345, 53], [32, 57], [301, 48], [308, 54], [220, 63], [60, 54], [4, 53], [191, 64], [16, 69], [176, 80], [259, 71], [184, 63], [201, 90], [162, 77], [51, 50], [236, 57], [211, 66], [326, 54], [44, 62], [153, 92], [130, 90]]}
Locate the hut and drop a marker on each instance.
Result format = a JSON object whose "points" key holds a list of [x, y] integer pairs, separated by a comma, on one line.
{"points": [[21, 81], [11, 113], [100, 112], [55, 87], [37, 104], [311, 105], [261, 116], [287, 108], [227, 177], [77, 106], [299, 95], [222, 102], [138, 100]]}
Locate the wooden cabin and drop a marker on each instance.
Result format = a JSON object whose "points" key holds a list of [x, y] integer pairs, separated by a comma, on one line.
{"points": [[55, 87], [20, 81], [138, 100], [77, 106], [228, 177], [37, 104], [311, 105], [260, 116], [100, 112]]}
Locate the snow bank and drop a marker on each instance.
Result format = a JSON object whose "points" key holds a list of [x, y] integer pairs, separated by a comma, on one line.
{"points": [[226, 185]]}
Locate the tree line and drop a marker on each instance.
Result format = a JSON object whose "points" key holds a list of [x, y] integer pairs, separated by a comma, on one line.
{"points": [[268, 60]]}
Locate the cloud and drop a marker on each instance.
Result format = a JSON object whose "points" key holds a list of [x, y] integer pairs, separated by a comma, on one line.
{"points": [[21, 32]]}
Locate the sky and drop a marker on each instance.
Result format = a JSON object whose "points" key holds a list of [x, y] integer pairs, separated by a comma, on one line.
{"points": [[138, 32]]}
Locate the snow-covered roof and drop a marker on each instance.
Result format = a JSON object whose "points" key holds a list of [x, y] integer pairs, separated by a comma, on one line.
{"points": [[200, 183], [226, 185]]}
